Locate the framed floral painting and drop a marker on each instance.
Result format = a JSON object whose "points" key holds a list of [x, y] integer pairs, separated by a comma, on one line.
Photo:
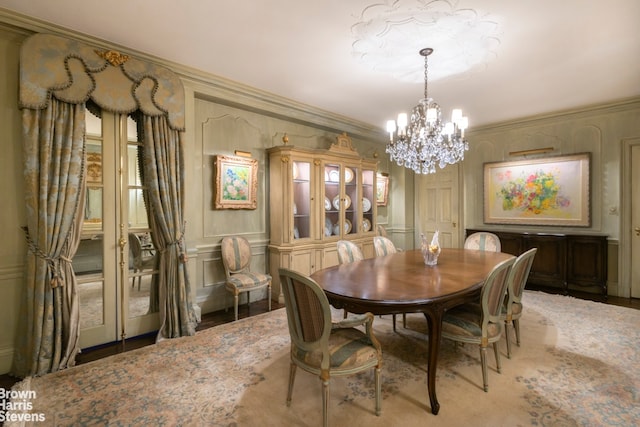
{"points": [[544, 191], [236, 182], [382, 190]]}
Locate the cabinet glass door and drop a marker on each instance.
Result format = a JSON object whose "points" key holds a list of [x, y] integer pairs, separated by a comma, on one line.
{"points": [[351, 200], [368, 200], [331, 200], [301, 199]]}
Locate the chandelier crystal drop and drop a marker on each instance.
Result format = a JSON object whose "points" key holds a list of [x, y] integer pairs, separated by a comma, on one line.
{"points": [[426, 140]]}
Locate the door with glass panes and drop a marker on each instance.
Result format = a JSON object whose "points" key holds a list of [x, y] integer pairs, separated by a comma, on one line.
{"points": [[116, 261]]}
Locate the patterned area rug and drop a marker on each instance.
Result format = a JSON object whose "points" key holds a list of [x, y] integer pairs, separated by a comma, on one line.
{"points": [[578, 365]]}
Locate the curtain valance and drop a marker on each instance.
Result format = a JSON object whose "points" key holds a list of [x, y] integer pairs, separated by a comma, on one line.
{"points": [[73, 72]]}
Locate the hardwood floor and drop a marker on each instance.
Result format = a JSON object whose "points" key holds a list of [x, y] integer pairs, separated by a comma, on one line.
{"points": [[210, 320]]}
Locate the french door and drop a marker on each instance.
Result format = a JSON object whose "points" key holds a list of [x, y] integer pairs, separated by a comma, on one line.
{"points": [[116, 261]]}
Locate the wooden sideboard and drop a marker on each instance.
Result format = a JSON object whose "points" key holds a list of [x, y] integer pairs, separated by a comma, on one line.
{"points": [[563, 261]]}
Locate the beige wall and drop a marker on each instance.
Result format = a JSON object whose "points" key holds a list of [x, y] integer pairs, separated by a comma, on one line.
{"points": [[224, 116], [598, 130]]}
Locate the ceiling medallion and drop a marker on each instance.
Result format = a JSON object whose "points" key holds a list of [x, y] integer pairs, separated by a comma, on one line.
{"points": [[389, 33]]}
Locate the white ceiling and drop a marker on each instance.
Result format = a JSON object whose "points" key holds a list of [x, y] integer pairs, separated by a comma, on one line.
{"points": [[541, 55]]}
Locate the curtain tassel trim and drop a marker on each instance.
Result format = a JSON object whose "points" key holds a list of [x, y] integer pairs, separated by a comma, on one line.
{"points": [[54, 262], [180, 242]]}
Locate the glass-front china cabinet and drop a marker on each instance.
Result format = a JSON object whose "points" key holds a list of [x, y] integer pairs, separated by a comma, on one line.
{"points": [[318, 197]]}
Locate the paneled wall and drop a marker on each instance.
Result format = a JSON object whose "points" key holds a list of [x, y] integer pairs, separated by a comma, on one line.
{"points": [[598, 130], [223, 129], [224, 116]]}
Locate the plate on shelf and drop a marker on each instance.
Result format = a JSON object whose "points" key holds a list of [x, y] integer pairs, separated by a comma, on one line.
{"points": [[336, 229], [348, 175], [347, 226], [366, 204], [366, 224], [336, 202], [334, 176], [296, 233], [328, 227], [327, 204]]}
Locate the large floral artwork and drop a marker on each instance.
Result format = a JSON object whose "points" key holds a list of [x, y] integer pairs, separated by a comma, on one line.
{"points": [[236, 182], [548, 191]]}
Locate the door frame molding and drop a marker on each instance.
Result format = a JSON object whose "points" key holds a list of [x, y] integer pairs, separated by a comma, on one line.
{"points": [[626, 226]]}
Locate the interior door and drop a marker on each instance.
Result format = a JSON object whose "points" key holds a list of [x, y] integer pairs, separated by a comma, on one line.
{"points": [[635, 221], [115, 262], [437, 207]]}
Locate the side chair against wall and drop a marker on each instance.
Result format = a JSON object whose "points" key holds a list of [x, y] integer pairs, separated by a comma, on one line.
{"points": [[236, 258], [480, 323], [384, 246], [512, 308], [483, 241], [324, 348], [139, 261]]}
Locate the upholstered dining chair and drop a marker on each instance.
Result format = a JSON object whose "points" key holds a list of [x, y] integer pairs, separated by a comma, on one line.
{"points": [[384, 246], [483, 241], [382, 231], [512, 308], [140, 261], [324, 348], [236, 258], [480, 323], [348, 252]]}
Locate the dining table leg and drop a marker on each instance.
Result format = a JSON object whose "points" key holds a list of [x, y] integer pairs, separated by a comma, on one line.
{"points": [[434, 322]]}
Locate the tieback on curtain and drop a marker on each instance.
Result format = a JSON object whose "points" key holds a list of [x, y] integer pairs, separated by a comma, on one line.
{"points": [[180, 242], [54, 262]]}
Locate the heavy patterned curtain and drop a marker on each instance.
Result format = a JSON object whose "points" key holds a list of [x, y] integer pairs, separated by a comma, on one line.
{"points": [[57, 77]]}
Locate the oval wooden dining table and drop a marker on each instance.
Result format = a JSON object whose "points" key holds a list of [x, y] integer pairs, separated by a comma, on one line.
{"points": [[402, 283]]}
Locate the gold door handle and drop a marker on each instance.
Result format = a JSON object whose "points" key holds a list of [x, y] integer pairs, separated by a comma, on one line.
{"points": [[454, 225], [637, 230]]}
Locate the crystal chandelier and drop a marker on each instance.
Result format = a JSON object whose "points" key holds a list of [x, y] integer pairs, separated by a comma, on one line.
{"points": [[427, 141]]}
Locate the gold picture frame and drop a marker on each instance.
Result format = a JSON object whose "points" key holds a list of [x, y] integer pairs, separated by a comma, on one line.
{"points": [[544, 191], [382, 190], [236, 182]]}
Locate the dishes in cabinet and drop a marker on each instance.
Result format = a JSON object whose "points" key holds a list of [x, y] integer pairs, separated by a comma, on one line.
{"points": [[328, 227], [366, 224], [326, 176], [327, 204], [347, 226], [366, 204], [336, 202], [348, 175], [295, 209], [296, 233], [336, 229], [334, 176]]}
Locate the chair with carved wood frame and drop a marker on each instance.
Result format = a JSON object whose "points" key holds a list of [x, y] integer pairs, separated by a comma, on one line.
{"points": [[236, 258], [322, 347], [480, 323]]}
